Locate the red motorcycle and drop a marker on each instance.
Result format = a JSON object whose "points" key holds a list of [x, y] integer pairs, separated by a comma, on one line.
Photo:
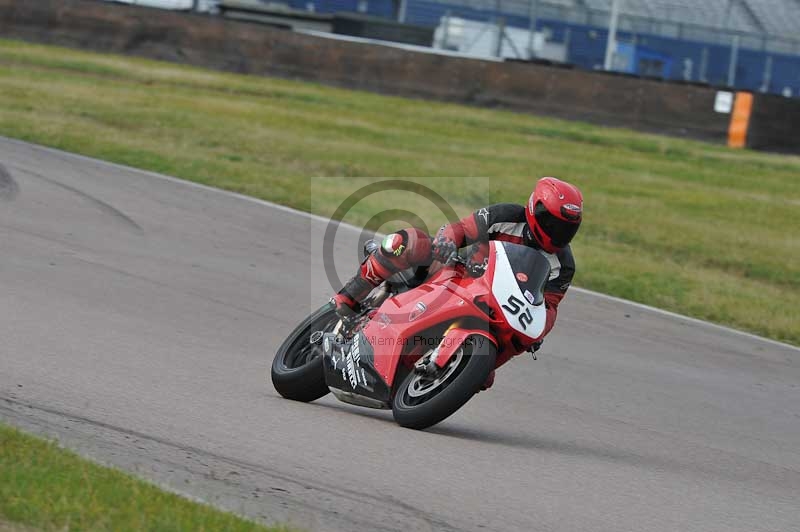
{"points": [[424, 350]]}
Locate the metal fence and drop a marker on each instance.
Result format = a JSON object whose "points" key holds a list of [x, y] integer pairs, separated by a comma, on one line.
{"points": [[653, 25]]}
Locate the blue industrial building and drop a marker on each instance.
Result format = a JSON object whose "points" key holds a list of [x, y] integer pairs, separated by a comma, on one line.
{"points": [[767, 59]]}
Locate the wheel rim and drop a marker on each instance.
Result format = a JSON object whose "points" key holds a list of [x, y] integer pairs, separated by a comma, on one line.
{"points": [[422, 385], [302, 351], [422, 388]]}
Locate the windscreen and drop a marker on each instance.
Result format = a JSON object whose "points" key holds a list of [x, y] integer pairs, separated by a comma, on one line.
{"points": [[531, 270]]}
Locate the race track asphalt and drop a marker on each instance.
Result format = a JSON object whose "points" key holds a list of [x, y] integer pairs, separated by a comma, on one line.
{"points": [[139, 315]]}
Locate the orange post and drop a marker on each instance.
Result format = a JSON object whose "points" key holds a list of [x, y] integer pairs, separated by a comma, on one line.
{"points": [[740, 120]]}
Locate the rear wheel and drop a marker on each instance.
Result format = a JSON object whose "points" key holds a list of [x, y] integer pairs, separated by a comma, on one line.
{"points": [[297, 370], [424, 400]]}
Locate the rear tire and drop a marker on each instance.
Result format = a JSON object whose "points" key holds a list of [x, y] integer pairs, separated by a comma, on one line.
{"points": [[297, 369], [418, 404]]}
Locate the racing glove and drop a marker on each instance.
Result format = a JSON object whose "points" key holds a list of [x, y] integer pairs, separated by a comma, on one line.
{"points": [[443, 247]]}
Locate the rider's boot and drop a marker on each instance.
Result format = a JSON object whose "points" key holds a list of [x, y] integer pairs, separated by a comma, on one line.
{"points": [[532, 350], [489, 382]]}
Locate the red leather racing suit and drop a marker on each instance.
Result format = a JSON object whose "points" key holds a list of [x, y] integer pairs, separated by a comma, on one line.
{"points": [[504, 221]]}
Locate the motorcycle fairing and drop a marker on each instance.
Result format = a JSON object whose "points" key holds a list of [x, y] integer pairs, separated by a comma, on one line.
{"points": [[521, 307], [453, 340], [401, 326], [515, 275], [350, 371], [363, 370]]}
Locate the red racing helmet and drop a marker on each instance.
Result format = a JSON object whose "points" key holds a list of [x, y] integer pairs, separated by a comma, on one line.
{"points": [[554, 213]]}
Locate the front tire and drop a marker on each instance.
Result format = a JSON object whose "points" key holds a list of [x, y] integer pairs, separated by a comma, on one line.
{"points": [[421, 401], [297, 369]]}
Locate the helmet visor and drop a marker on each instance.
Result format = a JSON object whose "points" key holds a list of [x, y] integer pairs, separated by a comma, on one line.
{"points": [[560, 231]]}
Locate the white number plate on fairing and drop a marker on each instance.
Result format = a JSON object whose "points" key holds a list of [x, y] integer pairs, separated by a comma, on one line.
{"points": [[519, 313]]}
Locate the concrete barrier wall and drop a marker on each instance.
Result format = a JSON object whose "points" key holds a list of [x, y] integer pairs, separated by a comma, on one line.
{"points": [[218, 43]]}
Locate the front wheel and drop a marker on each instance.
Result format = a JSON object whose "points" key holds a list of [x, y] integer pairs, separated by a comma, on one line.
{"points": [[424, 400], [297, 369]]}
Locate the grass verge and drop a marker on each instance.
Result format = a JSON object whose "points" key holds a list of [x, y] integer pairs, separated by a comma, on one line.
{"points": [[685, 226], [45, 487]]}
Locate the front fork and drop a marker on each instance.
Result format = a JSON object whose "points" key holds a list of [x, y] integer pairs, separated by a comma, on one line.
{"points": [[452, 340]]}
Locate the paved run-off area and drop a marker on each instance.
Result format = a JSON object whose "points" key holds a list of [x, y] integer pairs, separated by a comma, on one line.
{"points": [[138, 317]]}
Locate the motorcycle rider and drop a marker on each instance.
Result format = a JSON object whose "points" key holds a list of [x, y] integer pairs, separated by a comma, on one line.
{"points": [[548, 223]]}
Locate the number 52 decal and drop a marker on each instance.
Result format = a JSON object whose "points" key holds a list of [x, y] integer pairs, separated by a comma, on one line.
{"points": [[514, 305]]}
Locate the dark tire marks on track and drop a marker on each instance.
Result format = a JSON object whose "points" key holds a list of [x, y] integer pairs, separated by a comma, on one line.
{"points": [[8, 186], [107, 208]]}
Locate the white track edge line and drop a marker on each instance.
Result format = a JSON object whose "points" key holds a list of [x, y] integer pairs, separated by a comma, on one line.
{"points": [[319, 218], [681, 317]]}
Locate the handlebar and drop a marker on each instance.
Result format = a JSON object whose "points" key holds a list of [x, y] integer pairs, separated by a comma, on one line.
{"points": [[455, 258]]}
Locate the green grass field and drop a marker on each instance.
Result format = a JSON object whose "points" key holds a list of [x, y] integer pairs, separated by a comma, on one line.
{"points": [[685, 226], [43, 487]]}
